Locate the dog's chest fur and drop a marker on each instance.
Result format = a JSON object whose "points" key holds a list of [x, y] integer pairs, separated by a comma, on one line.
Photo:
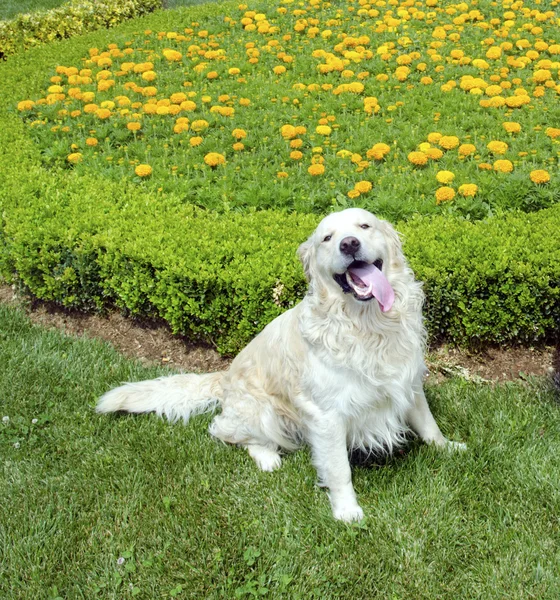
{"points": [[366, 374]]}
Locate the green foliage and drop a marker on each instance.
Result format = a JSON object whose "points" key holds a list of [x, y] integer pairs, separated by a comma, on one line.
{"points": [[72, 18], [92, 241]]}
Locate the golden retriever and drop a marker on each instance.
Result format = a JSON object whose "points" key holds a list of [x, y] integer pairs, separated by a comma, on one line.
{"points": [[341, 370]]}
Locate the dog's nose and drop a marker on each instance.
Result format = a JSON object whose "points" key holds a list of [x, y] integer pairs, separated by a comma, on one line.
{"points": [[349, 245]]}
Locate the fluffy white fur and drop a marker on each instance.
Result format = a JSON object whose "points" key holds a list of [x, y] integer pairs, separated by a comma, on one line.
{"points": [[334, 371]]}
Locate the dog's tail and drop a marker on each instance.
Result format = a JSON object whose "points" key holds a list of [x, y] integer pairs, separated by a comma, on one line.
{"points": [[175, 397]]}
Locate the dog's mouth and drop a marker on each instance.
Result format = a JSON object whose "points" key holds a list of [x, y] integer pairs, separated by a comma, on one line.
{"points": [[366, 281]]}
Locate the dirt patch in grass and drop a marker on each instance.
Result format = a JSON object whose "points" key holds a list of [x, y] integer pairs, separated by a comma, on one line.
{"points": [[153, 342]]}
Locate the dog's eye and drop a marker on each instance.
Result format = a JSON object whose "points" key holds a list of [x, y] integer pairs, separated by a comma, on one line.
{"points": [[327, 238], [365, 226]]}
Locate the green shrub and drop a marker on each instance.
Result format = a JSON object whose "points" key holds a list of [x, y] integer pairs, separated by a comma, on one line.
{"points": [[72, 18]]}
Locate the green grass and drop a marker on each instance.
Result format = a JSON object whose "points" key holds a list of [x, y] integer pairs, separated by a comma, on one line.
{"points": [[11, 8], [194, 518]]}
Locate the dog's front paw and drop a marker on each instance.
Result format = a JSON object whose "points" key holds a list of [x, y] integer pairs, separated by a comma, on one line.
{"points": [[455, 446], [348, 512]]}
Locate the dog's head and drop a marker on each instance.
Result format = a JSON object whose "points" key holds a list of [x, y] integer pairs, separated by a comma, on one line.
{"points": [[353, 252]]}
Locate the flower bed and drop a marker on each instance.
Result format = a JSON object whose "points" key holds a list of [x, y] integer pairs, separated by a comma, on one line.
{"points": [[102, 172]]}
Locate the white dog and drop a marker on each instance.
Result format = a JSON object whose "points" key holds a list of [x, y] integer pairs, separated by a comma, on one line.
{"points": [[341, 370]]}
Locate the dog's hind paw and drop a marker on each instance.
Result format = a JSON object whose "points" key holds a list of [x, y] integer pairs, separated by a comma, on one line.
{"points": [[348, 514]]}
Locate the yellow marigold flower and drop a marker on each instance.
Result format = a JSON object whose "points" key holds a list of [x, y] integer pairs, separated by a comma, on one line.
{"points": [[445, 176], [503, 166], [149, 76], [212, 75], [418, 158], [199, 125], [539, 176], [552, 132], [239, 134], [363, 186], [91, 141], [74, 158], [238, 146], [296, 155], [434, 137], [316, 169], [103, 113], [213, 159], [296, 143], [288, 132], [323, 130], [433, 153], [281, 174], [353, 193], [497, 147], [466, 149], [234, 71], [143, 170], [448, 142], [279, 69], [511, 126], [468, 189], [195, 141], [426, 80], [133, 126], [188, 105], [485, 167], [444, 194], [25, 105]]}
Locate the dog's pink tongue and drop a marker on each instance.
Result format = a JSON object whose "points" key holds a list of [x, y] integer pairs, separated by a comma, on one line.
{"points": [[376, 284]]}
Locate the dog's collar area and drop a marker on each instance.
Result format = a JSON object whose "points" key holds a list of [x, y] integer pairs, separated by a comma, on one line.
{"points": [[352, 284]]}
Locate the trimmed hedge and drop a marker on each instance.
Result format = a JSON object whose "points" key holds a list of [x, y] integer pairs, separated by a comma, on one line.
{"points": [[94, 243], [72, 18]]}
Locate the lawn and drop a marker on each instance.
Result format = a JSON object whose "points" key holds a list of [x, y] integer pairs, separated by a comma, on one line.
{"points": [[120, 507]]}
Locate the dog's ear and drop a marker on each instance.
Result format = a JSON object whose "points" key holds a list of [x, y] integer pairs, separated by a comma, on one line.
{"points": [[306, 254], [394, 242]]}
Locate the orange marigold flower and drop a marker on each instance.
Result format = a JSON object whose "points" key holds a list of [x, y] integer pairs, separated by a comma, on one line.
{"points": [[143, 170], [91, 141], [316, 169], [195, 141], [468, 189], [281, 174], [444, 194], [238, 146], [539, 176], [353, 193], [418, 158], [239, 134], [133, 126], [485, 167], [552, 132], [213, 159], [296, 155], [433, 153], [503, 166], [363, 186]]}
